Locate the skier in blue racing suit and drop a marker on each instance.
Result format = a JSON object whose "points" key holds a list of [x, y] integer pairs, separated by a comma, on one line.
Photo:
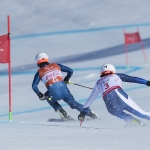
{"points": [[50, 75], [116, 100]]}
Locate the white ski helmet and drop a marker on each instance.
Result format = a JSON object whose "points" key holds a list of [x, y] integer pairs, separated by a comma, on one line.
{"points": [[107, 68], [41, 57]]}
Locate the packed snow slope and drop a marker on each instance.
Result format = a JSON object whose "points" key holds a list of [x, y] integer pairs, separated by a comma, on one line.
{"points": [[83, 35]]}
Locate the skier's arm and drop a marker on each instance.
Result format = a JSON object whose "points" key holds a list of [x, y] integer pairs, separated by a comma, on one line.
{"points": [[88, 103], [92, 97], [127, 78], [35, 84], [68, 70]]}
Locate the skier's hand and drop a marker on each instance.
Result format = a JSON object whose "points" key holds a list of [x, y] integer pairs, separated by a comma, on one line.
{"points": [[148, 83], [66, 80], [81, 116], [41, 96]]}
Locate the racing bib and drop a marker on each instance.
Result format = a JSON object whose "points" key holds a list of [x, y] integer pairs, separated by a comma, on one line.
{"points": [[50, 74], [109, 83]]}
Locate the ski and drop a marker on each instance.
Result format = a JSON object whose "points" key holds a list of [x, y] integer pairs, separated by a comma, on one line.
{"points": [[60, 120], [69, 120]]}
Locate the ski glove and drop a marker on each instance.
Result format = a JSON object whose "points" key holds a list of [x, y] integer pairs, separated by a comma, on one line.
{"points": [[81, 116], [148, 83], [41, 96], [66, 80]]}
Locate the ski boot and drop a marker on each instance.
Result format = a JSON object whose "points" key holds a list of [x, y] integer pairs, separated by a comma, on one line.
{"points": [[93, 115], [136, 122], [63, 114]]}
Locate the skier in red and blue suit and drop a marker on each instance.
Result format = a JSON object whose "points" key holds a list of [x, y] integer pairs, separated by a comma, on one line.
{"points": [[116, 100], [50, 75]]}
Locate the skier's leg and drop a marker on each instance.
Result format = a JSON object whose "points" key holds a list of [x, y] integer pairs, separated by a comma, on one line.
{"points": [[116, 111], [56, 106], [133, 108], [69, 99], [52, 101], [129, 119], [115, 106]]}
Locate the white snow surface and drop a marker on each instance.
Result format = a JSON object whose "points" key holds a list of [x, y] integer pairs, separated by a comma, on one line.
{"points": [[29, 129]]}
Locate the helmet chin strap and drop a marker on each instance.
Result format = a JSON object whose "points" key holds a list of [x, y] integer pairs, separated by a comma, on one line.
{"points": [[43, 64], [106, 73]]}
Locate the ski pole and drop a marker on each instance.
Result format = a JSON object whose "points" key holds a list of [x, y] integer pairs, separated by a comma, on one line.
{"points": [[80, 123], [80, 85]]}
